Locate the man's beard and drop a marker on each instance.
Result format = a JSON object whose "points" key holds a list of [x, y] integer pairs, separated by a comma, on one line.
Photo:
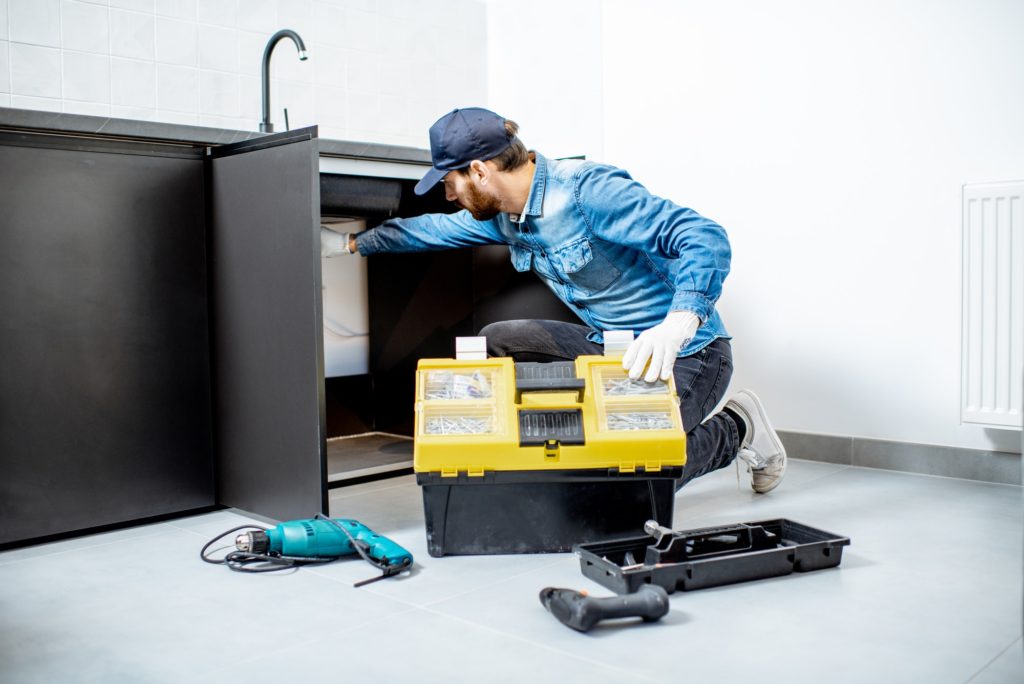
{"points": [[482, 207]]}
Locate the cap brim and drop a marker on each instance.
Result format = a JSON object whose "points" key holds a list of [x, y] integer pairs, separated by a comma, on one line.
{"points": [[429, 180]]}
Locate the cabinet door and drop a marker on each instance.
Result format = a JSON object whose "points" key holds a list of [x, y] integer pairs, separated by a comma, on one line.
{"points": [[267, 325], [104, 349]]}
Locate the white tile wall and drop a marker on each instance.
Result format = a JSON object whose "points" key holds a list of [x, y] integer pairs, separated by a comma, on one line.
{"points": [[86, 77], [378, 70], [5, 68], [177, 9], [218, 48], [136, 5], [35, 71], [259, 16], [35, 21], [85, 27], [88, 108], [219, 94], [45, 104], [177, 42], [4, 24], [132, 34], [132, 83], [177, 89], [219, 12]]}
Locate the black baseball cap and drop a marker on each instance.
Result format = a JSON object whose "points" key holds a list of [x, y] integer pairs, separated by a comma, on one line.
{"points": [[461, 136]]}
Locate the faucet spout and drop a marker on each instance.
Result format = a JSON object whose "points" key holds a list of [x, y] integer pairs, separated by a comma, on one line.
{"points": [[265, 125]]}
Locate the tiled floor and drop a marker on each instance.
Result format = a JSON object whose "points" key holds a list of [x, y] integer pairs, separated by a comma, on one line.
{"points": [[929, 591]]}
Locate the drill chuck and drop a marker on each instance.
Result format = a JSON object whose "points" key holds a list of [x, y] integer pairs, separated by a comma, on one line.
{"points": [[255, 541]]}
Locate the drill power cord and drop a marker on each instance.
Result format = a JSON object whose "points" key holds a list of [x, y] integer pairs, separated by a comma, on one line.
{"points": [[243, 561]]}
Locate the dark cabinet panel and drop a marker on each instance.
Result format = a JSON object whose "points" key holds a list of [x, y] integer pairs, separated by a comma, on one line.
{"points": [[268, 326], [104, 361]]}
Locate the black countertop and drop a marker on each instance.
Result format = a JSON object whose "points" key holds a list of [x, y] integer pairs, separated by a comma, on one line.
{"points": [[29, 119]]}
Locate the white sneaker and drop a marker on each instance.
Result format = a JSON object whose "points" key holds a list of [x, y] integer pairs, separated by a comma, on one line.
{"points": [[762, 449]]}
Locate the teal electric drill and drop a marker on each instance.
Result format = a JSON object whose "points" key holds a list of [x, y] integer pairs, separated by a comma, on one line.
{"points": [[315, 540]]}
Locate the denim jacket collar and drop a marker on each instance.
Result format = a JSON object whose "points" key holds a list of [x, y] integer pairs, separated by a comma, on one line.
{"points": [[535, 202]]}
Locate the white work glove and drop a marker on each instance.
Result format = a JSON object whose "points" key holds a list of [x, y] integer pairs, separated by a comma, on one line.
{"points": [[332, 244], [660, 344]]}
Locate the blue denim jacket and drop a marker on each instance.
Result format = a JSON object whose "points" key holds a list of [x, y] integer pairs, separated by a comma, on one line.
{"points": [[618, 256]]}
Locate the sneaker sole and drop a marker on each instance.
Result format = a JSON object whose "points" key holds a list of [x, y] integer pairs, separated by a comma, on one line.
{"points": [[775, 441]]}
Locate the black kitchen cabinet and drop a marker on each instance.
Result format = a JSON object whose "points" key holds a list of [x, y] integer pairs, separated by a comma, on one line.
{"points": [[161, 331], [104, 353], [160, 346]]}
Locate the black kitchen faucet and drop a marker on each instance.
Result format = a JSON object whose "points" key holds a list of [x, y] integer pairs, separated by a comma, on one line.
{"points": [[265, 125]]}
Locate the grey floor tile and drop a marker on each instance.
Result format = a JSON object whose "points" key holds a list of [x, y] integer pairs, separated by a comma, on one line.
{"points": [[423, 646], [929, 591], [930, 587], [147, 609], [1006, 668], [711, 493]]}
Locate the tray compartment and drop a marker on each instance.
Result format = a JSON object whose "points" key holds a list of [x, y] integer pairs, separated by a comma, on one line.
{"points": [[711, 556]]}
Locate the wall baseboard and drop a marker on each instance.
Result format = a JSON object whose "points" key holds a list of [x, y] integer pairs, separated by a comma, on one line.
{"points": [[969, 464]]}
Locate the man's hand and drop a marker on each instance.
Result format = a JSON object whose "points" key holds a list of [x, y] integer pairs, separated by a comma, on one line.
{"points": [[332, 243], [660, 344]]}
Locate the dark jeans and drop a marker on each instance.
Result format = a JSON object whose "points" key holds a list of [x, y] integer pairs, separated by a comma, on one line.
{"points": [[701, 380]]}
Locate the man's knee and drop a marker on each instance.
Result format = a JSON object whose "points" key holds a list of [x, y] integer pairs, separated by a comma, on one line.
{"points": [[503, 336]]}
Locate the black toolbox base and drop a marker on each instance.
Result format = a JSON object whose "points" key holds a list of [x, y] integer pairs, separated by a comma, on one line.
{"points": [[540, 512]]}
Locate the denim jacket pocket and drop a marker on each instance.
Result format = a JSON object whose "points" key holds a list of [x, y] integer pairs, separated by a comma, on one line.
{"points": [[521, 258], [585, 266]]}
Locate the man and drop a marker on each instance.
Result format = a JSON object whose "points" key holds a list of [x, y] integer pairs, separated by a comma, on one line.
{"points": [[619, 257]]}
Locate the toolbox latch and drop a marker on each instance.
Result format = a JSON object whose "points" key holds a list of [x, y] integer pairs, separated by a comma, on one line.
{"points": [[551, 450]]}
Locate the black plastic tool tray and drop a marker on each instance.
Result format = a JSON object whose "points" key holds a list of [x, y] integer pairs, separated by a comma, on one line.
{"points": [[711, 556]]}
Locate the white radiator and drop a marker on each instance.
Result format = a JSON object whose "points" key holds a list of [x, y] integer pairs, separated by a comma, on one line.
{"points": [[992, 365]]}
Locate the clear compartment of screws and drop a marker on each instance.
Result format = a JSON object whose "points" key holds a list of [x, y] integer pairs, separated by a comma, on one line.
{"points": [[639, 417], [467, 421], [615, 382], [458, 384]]}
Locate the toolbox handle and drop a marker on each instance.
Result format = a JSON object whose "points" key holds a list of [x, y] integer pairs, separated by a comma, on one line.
{"points": [[577, 385]]}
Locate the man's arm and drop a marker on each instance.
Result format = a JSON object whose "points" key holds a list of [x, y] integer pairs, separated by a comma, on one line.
{"points": [[427, 232], [421, 233], [618, 209]]}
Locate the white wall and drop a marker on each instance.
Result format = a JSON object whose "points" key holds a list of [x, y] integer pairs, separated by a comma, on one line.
{"points": [[831, 139], [544, 72], [378, 70]]}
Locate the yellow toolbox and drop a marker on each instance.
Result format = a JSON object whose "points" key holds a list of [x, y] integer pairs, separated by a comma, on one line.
{"points": [[536, 457]]}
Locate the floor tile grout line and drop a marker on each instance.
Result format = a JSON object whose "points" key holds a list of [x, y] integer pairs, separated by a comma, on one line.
{"points": [[368, 491], [445, 598], [80, 548], [487, 586], [633, 675], [994, 659]]}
